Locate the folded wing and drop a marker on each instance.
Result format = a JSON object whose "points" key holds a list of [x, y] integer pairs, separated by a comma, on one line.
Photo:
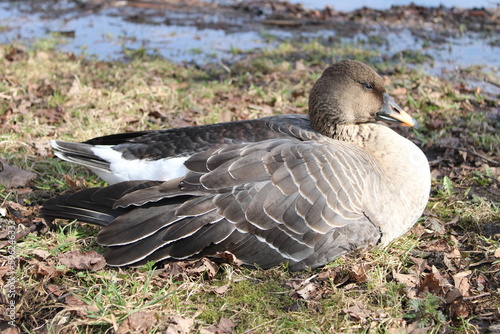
{"points": [[274, 201]]}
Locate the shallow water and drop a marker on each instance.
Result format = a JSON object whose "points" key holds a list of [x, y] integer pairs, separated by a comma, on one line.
{"points": [[106, 34], [384, 4]]}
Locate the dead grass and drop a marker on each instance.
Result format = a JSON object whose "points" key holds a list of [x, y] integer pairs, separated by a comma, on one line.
{"points": [[440, 278]]}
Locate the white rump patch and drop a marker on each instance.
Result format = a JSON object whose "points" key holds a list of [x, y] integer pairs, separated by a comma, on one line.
{"points": [[129, 170]]}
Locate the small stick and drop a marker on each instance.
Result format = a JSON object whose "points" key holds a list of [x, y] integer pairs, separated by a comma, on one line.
{"points": [[473, 153]]}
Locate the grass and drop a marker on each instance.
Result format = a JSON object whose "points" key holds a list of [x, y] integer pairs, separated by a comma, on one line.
{"points": [[47, 95]]}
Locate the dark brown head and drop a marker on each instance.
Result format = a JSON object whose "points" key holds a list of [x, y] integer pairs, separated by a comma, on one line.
{"points": [[350, 92]]}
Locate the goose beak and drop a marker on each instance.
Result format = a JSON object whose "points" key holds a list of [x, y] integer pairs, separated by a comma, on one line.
{"points": [[392, 113]]}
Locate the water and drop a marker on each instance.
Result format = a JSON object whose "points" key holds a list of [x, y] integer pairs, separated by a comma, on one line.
{"points": [[106, 34], [342, 5]]}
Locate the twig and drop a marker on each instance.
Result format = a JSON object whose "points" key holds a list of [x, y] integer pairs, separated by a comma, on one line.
{"points": [[20, 235], [251, 330], [486, 294], [473, 153]]}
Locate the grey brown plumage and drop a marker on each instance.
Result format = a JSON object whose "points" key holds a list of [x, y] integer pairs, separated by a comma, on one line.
{"points": [[290, 188]]}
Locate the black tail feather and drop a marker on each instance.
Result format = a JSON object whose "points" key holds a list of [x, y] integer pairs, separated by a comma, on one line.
{"points": [[93, 205]]}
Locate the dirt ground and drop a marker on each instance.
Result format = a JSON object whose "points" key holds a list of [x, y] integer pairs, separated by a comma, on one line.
{"points": [[282, 13]]}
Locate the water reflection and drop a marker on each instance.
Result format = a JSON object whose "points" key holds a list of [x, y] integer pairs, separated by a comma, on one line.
{"points": [[384, 4], [106, 34]]}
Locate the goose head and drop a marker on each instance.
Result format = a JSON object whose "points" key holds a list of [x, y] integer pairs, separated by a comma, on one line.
{"points": [[349, 93]]}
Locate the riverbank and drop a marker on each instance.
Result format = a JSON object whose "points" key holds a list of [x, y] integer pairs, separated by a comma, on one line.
{"points": [[442, 277]]}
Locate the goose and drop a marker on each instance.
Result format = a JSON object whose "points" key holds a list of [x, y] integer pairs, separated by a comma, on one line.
{"points": [[285, 189]]}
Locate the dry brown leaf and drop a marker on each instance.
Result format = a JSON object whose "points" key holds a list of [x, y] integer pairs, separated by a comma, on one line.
{"points": [[172, 269], [435, 124], [462, 282], [436, 225], [449, 264], [452, 295], [299, 65], [308, 291], [90, 260], [24, 191], [229, 257], [225, 116], [42, 269], [43, 254], [358, 311], [14, 54], [40, 90], [401, 327], [454, 220], [4, 233], [190, 268], [350, 286], [220, 290], [294, 284], [77, 304], [56, 290], [358, 272], [263, 109], [459, 308], [414, 328], [179, 122], [455, 254], [139, 322], [13, 177], [69, 181], [10, 330], [481, 280], [19, 213], [74, 183], [410, 280], [435, 283], [413, 279], [418, 230], [202, 266], [180, 325], [328, 275], [497, 253], [4, 270], [225, 326], [420, 265], [49, 116], [73, 300], [399, 91], [440, 245]]}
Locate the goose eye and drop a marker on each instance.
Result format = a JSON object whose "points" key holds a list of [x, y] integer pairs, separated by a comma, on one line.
{"points": [[368, 86]]}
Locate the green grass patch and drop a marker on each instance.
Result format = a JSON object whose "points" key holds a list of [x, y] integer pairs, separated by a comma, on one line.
{"points": [[50, 95]]}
